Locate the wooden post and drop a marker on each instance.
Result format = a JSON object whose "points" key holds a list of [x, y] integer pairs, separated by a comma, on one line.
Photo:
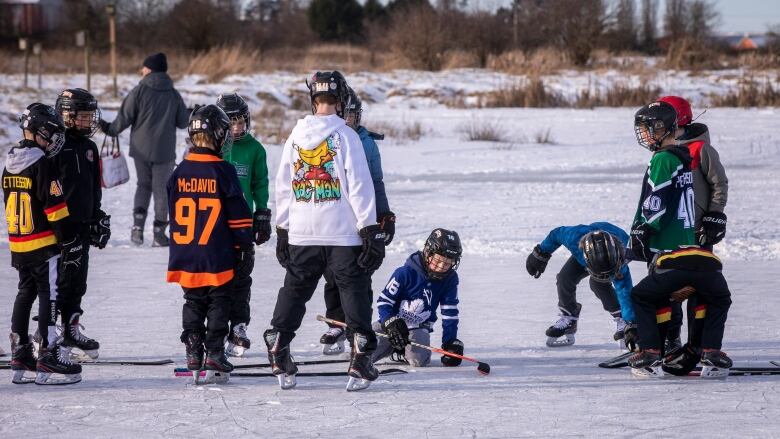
{"points": [[25, 47], [38, 52], [111, 10], [86, 60]]}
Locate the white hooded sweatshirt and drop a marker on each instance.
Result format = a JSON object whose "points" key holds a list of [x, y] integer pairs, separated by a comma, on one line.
{"points": [[324, 191]]}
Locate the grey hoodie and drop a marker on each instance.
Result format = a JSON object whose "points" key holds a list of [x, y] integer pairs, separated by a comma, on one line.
{"points": [[155, 109], [710, 183]]}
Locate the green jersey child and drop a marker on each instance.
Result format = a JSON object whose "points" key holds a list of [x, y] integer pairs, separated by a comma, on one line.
{"points": [[249, 158]]}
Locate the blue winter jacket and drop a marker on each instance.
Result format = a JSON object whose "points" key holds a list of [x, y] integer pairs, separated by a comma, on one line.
{"points": [[410, 284], [375, 168], [569, 237]]}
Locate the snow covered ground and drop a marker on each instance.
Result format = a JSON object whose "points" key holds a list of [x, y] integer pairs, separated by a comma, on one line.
{"points": [[502, 198]]}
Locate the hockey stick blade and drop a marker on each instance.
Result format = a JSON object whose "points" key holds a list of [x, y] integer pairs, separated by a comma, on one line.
{"points": [[616, 362], [482, 367], [4, 364], [297, 363]]}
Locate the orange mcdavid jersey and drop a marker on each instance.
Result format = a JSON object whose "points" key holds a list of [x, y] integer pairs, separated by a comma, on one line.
{"points": [[34, 205], [209, 220]]}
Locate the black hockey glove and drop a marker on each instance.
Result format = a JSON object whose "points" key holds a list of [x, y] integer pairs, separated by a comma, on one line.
{"points": [[387, 224], [397, 332], [100, 230], [681, 361], [72, 251], [456, 347], [373, 247], [261, 225], [245, 262], [282, 247], [537, 262], [630, 337], [104, 126], [640, 242], [712, 229]]}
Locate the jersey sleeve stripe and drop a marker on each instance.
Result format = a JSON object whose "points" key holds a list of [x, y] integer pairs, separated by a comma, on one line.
{"points": [[56, 215], [449, 307], [197, 280], [384, 296], [443, 317]]}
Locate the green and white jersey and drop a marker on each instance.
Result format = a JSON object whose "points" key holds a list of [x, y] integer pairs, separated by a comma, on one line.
{"points": [[667, 200]]}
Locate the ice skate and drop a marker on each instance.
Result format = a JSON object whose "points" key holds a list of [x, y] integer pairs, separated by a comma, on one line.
{"points": [[22, 361], [620, 332], [217, 369], [646, 364], [74, 338], [561, 333], [238, 342], [361, 368], [193, 344], [333, 341], [54, 367], [282, 364], [715, 364], [671, 344]]}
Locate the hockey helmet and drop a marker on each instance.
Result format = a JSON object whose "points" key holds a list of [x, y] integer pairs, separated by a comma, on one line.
{"points": [[236, 108], [353, 108], [42, 120], [328, 83], [445, 243], [682, 107], [653, 123], [604, 255], [71, 102], [212, 121]]}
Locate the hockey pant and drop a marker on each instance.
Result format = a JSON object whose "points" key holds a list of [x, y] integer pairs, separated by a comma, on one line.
{"points": [[417, 357], [571, 274], [304, 269], [333, 309], [73, 283], [37, 281], [239, 301], [206, 311], [652, 295]]}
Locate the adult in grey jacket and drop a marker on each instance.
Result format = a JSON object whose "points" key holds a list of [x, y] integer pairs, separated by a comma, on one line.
{"points": [[154, 109], [710, 184]]}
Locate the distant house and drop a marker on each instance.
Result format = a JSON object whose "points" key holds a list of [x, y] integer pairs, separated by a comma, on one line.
{"points": [[745, 41], [29, 17]]}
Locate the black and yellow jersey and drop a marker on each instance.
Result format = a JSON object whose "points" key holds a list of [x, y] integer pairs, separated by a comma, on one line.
{"points": [[209, 220], [35, 209]]}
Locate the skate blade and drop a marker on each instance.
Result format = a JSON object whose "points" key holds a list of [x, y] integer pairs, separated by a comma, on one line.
{"points": [[211, 377], [565, 340], [79, 356], [622, 345], [713, 372], [55, 379], [287, 382], [356, 384], [20, 378], [648, 372], [333, 349], [233, 350]]}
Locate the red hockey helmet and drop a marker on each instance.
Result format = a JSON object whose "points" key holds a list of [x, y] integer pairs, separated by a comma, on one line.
{"points": [[682, 107]]}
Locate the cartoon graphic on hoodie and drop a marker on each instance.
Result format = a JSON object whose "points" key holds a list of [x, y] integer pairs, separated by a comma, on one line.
{"points": [[323, 174]]}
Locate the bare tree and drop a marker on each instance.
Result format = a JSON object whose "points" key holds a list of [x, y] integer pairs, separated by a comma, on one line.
{"points": [[675, 19], [581, 25], [702, 19], [649, 29], [623, 34], [419, 34]]}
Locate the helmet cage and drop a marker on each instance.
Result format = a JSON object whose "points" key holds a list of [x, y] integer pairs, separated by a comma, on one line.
{"points": [[73, 101], [450, 250], [236, 109], [43, 121]]}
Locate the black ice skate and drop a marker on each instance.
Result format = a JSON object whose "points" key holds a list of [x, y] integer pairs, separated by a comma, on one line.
{"points": [[22, 361], [72, 337], [54, 367], [646, 363], [282, 364], [193, 343], [137, 235], [333, 341], [217, 369], [238, 342], [671, 344], [715, 364], [561, 333], [361, 368]]}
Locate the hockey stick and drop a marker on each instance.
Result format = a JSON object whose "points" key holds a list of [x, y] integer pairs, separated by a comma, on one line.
{"points": [[482, 367], [183, 372], [297, 363]]}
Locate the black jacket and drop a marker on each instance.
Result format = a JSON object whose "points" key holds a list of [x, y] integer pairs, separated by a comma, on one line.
{"points": [[155, 109], [79, 171]]}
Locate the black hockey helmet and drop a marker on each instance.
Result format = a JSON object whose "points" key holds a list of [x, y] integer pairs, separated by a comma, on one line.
{"points": [[653, 123], [236, 108], [74, 100], [354, 107], [604, 255], [212, 121], [42, 120], [328, 83], [445, 243]]}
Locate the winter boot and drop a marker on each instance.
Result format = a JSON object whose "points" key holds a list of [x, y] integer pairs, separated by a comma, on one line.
{"points": [[361, 368], [74, 338], [139, 220], [333, 341], [55, 367], [137, 235], [160, 238], [238, 342], [22, 360], [193, 343], [282, 364]]}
